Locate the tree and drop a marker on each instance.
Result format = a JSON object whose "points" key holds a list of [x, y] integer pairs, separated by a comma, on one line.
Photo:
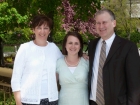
{"points": [[84, 8], [84, 11], [22, 6], [75, 23], [10, 18], [50, 6]]}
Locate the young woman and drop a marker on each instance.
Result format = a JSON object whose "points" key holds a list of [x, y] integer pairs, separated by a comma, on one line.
{"points": [[33, 79], [72, 72]]}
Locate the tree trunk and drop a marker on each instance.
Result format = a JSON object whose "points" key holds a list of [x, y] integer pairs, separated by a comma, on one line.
{"points": [[1, 53]]}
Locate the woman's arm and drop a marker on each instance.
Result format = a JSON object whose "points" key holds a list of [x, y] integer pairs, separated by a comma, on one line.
{"points": [[17, 74], [85, 56], [17, 97]]}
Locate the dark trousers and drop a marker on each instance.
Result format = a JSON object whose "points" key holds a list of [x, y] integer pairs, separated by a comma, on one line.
{"points": [[92, 102], [44, 102]]}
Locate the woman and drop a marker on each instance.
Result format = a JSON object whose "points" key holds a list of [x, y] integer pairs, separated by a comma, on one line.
{"points": [[72, 71], [33, 80]]}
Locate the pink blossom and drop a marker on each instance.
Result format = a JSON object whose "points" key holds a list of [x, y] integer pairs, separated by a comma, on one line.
{"points": [[72, 24]]}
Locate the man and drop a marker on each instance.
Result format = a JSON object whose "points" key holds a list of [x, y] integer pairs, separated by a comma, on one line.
{"points": [[114, 76]]}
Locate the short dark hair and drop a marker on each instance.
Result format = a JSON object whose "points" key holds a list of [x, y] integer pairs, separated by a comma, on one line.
{"points": [[40, 19], [77, 35], [108, 11]]}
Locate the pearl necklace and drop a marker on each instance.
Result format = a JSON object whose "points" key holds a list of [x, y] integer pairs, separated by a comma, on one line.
{"points": [[70, 64]]}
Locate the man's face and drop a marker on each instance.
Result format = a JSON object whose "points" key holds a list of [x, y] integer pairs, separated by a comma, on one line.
{"points": [[105, 25]]}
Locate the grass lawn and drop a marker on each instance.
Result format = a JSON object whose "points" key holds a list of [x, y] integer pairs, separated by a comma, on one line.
{"points": [[8, 48]]}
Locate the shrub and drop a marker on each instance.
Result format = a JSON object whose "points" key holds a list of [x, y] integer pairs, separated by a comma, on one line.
{"points": [[18, 36], [58, 37], [135, 37], [9, 99]]}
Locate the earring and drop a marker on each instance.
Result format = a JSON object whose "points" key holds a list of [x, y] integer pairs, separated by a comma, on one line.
{"points": [[33, 36]]}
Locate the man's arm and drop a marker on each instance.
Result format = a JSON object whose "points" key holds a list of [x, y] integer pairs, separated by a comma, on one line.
{"points": [[133, 75]]}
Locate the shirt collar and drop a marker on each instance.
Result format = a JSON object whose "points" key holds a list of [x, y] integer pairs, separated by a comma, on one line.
{"points": [[110, 39]]}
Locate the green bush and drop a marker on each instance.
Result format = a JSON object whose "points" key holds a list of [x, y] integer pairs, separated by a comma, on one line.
{"points": [[135, 37], [18, 36], [138, 44], [58, 37], [86, 37], [121, 33], [8, 101]]}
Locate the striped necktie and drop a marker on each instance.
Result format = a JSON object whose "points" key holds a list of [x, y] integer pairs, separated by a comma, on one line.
{"points": [[100, 92]]}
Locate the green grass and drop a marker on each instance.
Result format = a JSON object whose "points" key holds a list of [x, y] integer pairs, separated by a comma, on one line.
{"points": [[8, 49]]}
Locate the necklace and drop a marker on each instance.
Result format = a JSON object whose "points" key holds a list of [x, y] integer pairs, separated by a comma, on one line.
{"points": [[71, 64]]}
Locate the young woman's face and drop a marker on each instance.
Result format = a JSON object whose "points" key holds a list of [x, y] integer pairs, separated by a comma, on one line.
{"points": [[73, 45], [42, 32]]}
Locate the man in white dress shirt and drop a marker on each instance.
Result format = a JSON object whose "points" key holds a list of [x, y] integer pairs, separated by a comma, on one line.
{"points": [[121, 69]]}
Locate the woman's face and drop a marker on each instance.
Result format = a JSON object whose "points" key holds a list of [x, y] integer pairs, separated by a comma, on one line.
{"points": [[73, 45], [41, 32]]}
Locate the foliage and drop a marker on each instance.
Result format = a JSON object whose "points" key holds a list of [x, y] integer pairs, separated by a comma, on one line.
{"points": [[10, 18], [73, 23], [18, 36], [65, 20], [58, 32], [8, 48], [85, 8], [29, 8], [58, 37], [9, 99], [138, 44], [46, 6], [135, 37], [33, 7], [22, 6], [123, 12], [88, 37], [50, 6], [121, 33]]}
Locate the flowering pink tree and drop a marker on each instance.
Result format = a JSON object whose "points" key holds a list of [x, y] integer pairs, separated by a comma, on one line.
{"points": [[73, 23]]}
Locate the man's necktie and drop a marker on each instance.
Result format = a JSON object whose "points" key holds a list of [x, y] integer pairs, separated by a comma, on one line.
{"points": [[100, 91]]}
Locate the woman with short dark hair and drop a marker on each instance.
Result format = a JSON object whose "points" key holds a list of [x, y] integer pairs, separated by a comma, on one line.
{"points": [[33, 80]]}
